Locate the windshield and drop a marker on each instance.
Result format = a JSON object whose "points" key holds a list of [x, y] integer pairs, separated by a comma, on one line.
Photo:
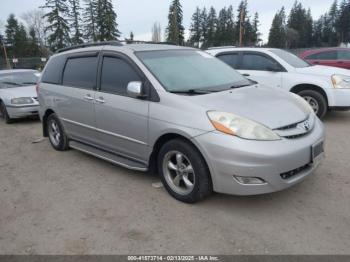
{"points": [[191, 71], [291, 59], [16, 79]]}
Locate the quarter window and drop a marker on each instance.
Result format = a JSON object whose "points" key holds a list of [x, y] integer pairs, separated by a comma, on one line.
{"points": [[53, 70], [257, 62], [116, 75], [80, 72], [344, 55]]}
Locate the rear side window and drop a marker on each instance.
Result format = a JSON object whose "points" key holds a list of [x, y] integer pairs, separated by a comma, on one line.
{"points": [[116, 75], [80, 72], [344, 55], [230, 59], [53, 70], [256, 62], [328, 55]]}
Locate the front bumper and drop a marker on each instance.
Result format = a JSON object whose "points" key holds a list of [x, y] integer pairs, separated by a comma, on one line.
{"points": [[22, 111], [229, 156], [339, 98]]}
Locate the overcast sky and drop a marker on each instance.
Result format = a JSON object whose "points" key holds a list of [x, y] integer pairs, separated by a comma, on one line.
{"points": [[139, 15]]}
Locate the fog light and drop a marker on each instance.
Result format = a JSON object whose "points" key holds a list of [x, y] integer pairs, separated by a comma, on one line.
{"points": [[249, 180]]}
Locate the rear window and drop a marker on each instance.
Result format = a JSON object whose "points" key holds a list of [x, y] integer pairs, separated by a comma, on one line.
{"points": [[53, 69], [80, 72], [290, 58]]}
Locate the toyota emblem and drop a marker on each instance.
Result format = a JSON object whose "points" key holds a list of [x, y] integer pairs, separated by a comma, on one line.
{"points": [[307, 125]]}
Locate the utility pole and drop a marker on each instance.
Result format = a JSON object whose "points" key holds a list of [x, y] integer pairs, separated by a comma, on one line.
{"points": [[8, 66], [241, 28]]}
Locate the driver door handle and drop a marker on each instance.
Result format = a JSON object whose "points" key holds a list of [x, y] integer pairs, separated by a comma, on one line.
{"points": [[88, 97], [100, 100], [246, 74]]}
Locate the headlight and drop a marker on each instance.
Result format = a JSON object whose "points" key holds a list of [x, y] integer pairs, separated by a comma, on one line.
{"points": [[232, 124], [22, 101], [341, 81]]}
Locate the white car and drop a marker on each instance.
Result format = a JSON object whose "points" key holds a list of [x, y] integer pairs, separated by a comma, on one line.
{"points": [[18, 97], [324, 88]]}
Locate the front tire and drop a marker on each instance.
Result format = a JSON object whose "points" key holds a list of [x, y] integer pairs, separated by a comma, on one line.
{"points": [[184, 172], [3, 114], [57, 136], [316, 100]]}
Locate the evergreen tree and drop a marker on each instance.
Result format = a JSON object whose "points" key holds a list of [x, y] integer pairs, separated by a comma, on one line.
{"points": [[211, 28], [58, 25], [242, 14], [195, 29], [230, 31], [299, 21], [21, 42], [204, 24], [175, 30], [221, 36], [343, 23], [16, 37], [77, 37], [11, 29], [255, 38], [33, 44], [107, 27], [277, 35], [89, 20]]}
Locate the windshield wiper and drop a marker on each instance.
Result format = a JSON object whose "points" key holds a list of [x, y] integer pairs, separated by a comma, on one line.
{"points": [[29, 83], [239, 86], [192, 91]]}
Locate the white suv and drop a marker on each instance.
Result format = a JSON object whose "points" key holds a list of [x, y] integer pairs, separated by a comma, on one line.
{"points": [[323, 87]]}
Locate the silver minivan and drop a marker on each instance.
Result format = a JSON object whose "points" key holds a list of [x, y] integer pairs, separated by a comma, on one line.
{"points": [[182, 113]]}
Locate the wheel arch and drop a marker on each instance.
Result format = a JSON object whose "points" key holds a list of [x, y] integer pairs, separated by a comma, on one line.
{"points": [[164, 139], [300, 87]]}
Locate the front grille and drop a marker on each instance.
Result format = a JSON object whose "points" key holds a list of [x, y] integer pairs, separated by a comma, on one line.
{"points": [[288, 127], [295, 136], [294, 172]]}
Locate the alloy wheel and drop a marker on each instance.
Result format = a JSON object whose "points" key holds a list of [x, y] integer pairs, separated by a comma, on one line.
{"points": [[54, 132], [313, 103], [178, 172]]}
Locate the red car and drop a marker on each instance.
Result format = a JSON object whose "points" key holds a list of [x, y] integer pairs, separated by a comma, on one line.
{"points": [[338, 57]]}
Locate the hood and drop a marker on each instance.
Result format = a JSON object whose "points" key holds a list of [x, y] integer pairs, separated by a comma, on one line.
{"points": [[273, 108], [323, 70], [23, 91]]}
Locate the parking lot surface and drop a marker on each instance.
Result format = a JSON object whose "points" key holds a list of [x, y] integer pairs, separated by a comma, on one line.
{"points": [[71, 203]]}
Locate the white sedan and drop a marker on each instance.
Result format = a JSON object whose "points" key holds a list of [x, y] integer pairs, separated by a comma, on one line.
{"points": [[324, 88], [18, 97]]}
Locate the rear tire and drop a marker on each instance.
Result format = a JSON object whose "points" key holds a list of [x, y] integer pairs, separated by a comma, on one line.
{"points": [[4, 115], [184, 172], [316, 100], [57, 135]]}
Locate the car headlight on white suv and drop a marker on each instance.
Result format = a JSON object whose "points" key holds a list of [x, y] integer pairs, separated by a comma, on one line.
{"points": [[341, 81], [232, 124], [22, 101]]}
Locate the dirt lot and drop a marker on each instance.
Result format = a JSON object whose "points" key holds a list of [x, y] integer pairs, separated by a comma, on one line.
{"points": [[71, 203]]}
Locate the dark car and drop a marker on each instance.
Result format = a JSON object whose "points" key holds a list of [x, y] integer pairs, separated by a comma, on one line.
{"points": [[338, 57]]}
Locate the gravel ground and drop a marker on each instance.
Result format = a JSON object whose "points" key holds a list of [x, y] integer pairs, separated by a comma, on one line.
{"points": [[71, 203]]}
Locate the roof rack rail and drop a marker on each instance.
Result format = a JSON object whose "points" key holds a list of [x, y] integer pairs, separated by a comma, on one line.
{"points": [[114, 43], [221, 47], [146, 42]]}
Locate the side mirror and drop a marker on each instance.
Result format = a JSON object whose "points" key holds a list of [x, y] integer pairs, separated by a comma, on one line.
{"points": [[135, 90]]}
